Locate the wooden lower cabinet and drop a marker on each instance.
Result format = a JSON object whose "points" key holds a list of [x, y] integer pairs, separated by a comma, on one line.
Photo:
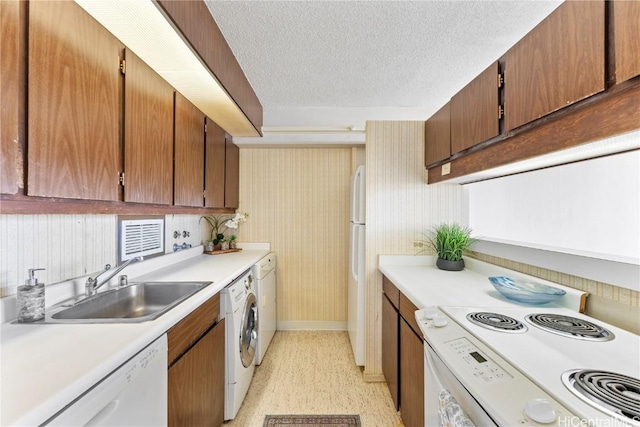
{"points": [[196, 383], [390, 348], [411, 376]]}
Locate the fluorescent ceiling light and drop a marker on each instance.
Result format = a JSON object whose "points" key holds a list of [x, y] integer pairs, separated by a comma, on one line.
{"points": [[143, 29]]}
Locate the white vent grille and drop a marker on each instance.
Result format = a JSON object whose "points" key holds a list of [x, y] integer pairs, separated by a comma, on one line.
{"points": [[141, 237]]}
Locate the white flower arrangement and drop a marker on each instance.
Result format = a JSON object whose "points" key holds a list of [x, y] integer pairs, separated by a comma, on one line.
{"points": [[237, 219]]}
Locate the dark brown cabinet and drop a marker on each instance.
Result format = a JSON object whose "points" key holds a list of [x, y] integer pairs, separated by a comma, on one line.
{"points": [[189, 147], [402, 354], [10, 93], [74, 104], [626, 39], [437, 136], [474, 111], [214, 165], [148, 134], [196, 368], [558, 63], [232, 175]]}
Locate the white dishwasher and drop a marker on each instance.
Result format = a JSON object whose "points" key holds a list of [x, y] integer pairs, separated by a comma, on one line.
{"points": [[265, 274], [135, 394]]}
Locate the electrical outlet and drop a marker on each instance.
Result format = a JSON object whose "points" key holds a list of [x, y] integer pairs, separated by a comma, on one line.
{"points": [[446, 169]]}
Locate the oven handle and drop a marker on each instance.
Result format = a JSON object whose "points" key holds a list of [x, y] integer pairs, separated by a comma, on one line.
{"points": [[431, 364]]}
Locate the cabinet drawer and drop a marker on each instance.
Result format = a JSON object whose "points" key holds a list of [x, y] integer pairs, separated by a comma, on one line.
{"points": [[407, 311], [391, 292], [192, 327]]}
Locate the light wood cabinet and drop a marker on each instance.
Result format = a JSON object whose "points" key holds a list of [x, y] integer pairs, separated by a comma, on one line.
{"points": [[148, 134], [74, 104], [10, 93], [626, 39], [411, 376], [189, 140], [558, 63], [214, 165], [474, 111], [437, 136], [232, 175], [196, 368]]}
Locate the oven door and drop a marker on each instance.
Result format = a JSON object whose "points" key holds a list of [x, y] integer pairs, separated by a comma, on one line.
{"points": [[438, 377]]}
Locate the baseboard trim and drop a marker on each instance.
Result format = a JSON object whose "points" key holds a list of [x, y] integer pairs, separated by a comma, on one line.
{"points": [[311, 326], [373, 378]]}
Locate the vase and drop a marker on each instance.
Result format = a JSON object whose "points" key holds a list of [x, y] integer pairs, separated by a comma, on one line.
{"points": [[233, 244], [447, 265], [209, 246], [224, 246]]}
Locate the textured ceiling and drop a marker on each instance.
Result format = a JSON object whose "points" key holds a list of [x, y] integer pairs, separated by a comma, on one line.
{"points": [[322, 64]]}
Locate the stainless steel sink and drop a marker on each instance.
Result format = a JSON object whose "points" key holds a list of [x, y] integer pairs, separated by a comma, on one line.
{"points": [[137, 302]]}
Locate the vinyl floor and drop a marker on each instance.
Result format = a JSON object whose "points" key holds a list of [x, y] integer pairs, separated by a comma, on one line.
{"points": [[313, 372]]}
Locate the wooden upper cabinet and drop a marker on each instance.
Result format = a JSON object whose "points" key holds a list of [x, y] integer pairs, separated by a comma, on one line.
{"points": [[232, 175], [474, 111], [74, 104], [148, 134], [10, 93], [559, 62], [626, 39], [189, 153], [437, 136], [214, 169]]}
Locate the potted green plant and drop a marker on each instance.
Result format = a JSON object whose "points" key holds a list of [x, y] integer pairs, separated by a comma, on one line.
{"points": [[218, 227], [449, 241], [233, 241]]}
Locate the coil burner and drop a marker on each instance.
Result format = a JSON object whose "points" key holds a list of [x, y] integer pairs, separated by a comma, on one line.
{"points": [[569, 327], [497, 322], [615, 394]]}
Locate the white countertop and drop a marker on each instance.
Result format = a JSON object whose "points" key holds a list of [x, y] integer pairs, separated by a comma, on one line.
{"points": [[425, 285], [43, 367]]}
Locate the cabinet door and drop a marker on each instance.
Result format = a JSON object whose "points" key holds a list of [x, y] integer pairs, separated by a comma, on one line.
{"points": [[411, 377], [626, 39], [148, 134], [196, 383], [74, 104], [10, 93], [232, 175], [390, 348], [214, 165], [189, 153], [474, 111], [559, 62], [437, 136]]}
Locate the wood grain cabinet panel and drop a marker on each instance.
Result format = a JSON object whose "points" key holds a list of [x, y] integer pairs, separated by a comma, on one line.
{"points": [[196, 383], [74, 104], [10, 93], [214, 165], [189, 153], [437, 136], [390, 348], [148, 134], [559, 62], [474, 111], [232, 175], [626, 39], [411, 377]]}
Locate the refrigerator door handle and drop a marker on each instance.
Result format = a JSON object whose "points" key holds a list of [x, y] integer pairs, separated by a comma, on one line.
{"points": [[355, 197], [354, 252]]}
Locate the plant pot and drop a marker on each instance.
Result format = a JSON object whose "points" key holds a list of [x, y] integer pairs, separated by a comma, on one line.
{"points": [[447, 265], [209, 246], [224, 246], [233, 244]]}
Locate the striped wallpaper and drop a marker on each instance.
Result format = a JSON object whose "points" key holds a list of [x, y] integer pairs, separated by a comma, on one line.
{"points": [[298, 200]]}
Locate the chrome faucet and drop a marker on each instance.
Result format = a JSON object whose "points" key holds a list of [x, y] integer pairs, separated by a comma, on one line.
{"points": [[94, 281]]}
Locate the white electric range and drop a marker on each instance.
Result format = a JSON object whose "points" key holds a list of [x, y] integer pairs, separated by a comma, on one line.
{"points": [[506, 367]]}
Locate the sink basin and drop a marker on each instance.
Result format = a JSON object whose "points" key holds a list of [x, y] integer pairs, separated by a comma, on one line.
{"points": [[138, 302]]}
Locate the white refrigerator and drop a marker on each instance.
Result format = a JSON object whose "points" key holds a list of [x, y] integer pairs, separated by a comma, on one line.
{"points": [[355, 320]]}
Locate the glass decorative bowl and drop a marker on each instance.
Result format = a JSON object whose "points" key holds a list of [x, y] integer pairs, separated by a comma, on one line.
{"points": [[525, 291]]}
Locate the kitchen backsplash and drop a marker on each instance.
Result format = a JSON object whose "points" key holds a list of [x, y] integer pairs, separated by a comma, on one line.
{"points": [[71, 246]]}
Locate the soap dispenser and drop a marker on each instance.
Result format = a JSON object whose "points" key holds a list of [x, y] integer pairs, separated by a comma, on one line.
{"points": [[31, 299]]}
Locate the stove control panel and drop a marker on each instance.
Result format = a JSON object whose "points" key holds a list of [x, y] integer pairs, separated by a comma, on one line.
{"points": [[477, 364]]}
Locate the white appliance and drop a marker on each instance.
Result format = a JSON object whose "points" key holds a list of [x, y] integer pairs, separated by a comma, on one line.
{"points": [[520, 365], [355, 319], [240, 309], [265, 274], [135, 394]]}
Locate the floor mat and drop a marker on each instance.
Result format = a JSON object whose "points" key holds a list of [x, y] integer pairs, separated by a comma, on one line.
{"points": [[311, 420]]}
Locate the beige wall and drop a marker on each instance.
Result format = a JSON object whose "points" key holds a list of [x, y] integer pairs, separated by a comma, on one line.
{"points": [[400, 208], [298, 200]]}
